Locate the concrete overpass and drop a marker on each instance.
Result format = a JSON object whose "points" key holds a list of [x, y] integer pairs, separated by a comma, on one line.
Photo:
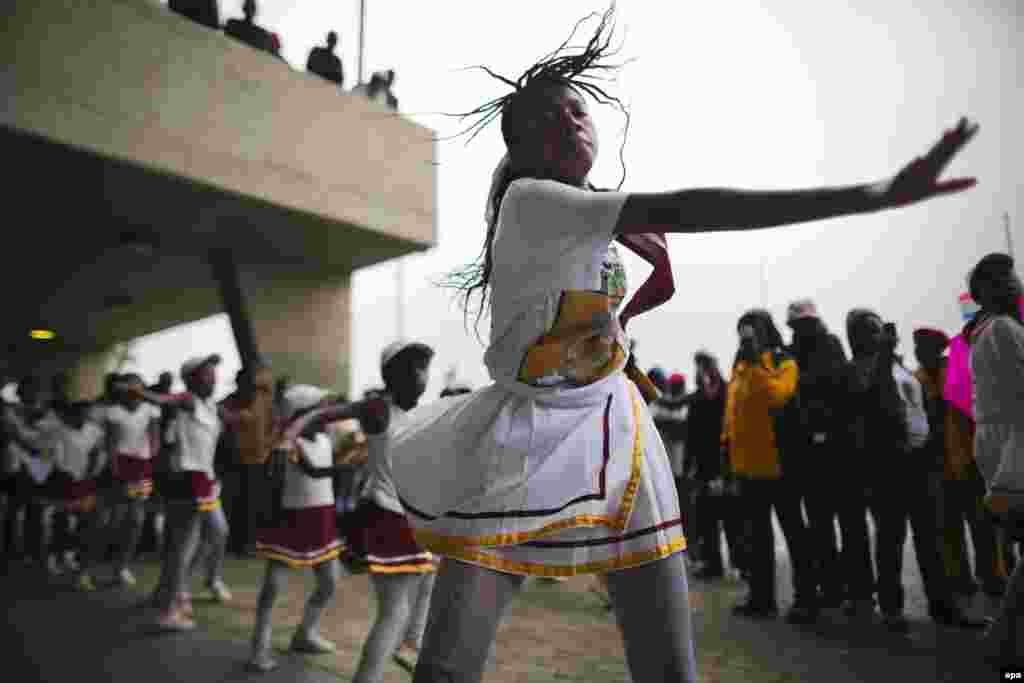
{"points": [[152, 164]]}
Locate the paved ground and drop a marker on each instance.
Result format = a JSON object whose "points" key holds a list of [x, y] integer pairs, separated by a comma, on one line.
{"points": [[51, 633]]}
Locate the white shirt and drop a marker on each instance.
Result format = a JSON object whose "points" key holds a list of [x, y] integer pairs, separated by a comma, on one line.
{"points": [[997, 366], [380, 487], [550, 237], [302, 491], [196, 435], [913, 399], [41, 433], [74, 446], [129, 430]]}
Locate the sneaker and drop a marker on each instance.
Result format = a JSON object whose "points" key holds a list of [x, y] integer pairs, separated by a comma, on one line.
{"points": [[896, 623], [220, 592], [53, 568], [174, 620], [406, 656], [183, 603], [126, 578], [261, 662], [85, 583], [70, 563], [754, 610], [312, 643]]}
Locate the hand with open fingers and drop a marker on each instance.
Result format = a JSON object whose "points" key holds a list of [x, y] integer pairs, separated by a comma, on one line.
{"points": [[919, 180]]}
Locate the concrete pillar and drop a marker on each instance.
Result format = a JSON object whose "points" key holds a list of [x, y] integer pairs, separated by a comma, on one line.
{"points": [[302, 327], [87, 375], [225, 273]]}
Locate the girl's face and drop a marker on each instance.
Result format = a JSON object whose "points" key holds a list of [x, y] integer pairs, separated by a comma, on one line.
{"points": [[561, 136]]}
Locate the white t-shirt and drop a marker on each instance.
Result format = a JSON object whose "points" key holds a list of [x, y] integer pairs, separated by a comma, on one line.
{"points": [[129, 431], [302, 491], [41, 433], [196, 435], [74, 446], [913, 398], [550, 237], [380, 486]]}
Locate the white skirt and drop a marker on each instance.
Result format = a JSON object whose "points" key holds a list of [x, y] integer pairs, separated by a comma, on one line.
{"points": [[538, 481]]}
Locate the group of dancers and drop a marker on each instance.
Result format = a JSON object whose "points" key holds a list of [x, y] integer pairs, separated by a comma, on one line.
{"points": [[556, 468]]}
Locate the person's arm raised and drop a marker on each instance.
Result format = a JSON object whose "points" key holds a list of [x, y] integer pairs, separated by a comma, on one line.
{"points": [[713, 210]]}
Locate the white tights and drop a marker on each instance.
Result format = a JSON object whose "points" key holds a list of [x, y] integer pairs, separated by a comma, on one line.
{"points": [[274, 582]]}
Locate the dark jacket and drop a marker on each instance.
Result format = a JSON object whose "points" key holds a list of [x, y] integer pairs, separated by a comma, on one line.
{"points": [[822, 387], [704, 432], [877, 422]]}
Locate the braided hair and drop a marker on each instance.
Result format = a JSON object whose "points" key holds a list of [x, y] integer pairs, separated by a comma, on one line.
{"points": [[580, 71]]}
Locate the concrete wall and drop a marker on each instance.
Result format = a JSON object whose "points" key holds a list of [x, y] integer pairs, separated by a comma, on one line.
{"points": [[303, 329], [131, 80]]}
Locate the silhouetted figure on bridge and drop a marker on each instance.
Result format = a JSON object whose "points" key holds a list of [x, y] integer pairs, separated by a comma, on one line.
{"points": [[379, 88], [200, 11], [325, 63], [249, 33]]}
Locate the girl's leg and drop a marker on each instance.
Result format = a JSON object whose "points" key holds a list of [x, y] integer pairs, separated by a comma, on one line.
{"points": [[1006, 636], [45, 514], [420, 607], [655, 593], [174, 518], [184, 539], [273, 583], [467, 604], [393, 593], [133, 517], [215, 531], [5, 506], [159, 525], [308, 638]]}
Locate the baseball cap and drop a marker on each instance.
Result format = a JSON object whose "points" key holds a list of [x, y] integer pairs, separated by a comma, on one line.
{"points": [[396, 347], [677, 378], [196, 362], [299, 397], [800, 309]]}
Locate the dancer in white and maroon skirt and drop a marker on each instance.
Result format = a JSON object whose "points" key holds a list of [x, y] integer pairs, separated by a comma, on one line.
{"points": [[79, 456], [193, 506], [402, 572], [132, 429], [304, 533], [29, 427]]}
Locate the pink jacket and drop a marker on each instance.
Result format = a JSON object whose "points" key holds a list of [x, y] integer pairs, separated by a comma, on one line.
{"points": [[959, 390]]}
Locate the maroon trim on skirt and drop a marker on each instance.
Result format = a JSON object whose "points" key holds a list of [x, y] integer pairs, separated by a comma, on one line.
{"points": [[384, 534], [130, 469], [203, 487], [300, 533], [75, 491]]}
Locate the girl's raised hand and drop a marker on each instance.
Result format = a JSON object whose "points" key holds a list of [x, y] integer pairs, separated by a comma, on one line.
{"points": [[919, 180]]}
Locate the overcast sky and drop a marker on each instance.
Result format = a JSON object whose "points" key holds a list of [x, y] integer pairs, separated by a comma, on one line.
{"points": [[769, 94]]}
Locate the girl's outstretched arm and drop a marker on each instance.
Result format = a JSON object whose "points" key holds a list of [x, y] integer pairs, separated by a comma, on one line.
{"points": [[711, 210]]}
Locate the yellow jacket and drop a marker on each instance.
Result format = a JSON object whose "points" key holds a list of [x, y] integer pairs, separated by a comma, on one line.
{"points": [[755, 396]]}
